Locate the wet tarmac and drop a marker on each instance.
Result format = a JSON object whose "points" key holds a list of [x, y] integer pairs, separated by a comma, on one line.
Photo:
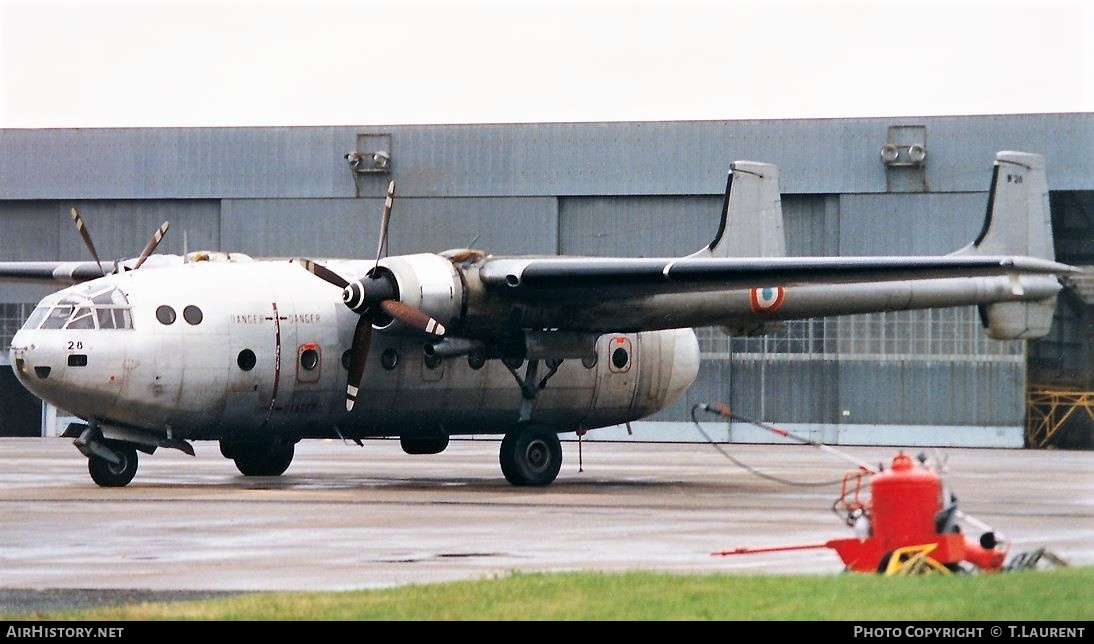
{"points": [[347, 517]]}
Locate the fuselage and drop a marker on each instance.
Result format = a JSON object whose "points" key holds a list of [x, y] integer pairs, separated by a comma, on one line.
{"points": [[233, 348], [245, 349]]}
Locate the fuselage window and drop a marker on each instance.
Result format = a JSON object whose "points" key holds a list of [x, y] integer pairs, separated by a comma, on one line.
{"points": [[246, 360], [192, 315], [309, 359], [389, 359], [620, 358], [165, 314], [476, 359]]}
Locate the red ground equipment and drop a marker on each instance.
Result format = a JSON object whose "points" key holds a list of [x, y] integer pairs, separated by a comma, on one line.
{"points": [[906, 526]]}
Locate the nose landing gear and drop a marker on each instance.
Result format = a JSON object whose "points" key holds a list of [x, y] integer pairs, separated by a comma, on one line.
{"points": [[116, 472]]}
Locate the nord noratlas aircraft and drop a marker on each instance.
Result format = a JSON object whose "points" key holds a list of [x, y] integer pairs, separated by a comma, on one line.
{"points": [[258, 354]]}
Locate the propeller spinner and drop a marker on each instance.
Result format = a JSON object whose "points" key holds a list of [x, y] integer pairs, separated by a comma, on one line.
{"points": [[373, 297]]}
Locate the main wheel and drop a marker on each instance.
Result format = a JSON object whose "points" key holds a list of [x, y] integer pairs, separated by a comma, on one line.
{"points": [[107, 474], [531, 455], [263, 460], [432, 445]]}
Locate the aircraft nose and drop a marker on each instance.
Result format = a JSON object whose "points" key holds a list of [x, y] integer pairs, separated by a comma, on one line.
{"points": [[29, 360]]}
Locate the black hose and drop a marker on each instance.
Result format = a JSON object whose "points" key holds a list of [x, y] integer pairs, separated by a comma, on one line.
{"points": [[747, 468]]}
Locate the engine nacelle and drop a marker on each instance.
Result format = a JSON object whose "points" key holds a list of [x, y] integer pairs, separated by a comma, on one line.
{"points": [[428, 283]]}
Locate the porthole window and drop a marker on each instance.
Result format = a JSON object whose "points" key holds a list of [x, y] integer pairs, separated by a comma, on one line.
{"points": [[309, 359], [389, 359], [246, 360], [192, 315], [165, 314], [346, 357], [620, 358], [476, 359]]}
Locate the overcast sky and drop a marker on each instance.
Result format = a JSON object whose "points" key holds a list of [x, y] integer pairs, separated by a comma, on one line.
{"points": [[265, 62]]}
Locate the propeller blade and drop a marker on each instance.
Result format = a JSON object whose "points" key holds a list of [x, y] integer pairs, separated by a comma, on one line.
{"points": [[157, 237], [79, 221], [385, 221], [362, 339], [412, 317], [324, 273]]}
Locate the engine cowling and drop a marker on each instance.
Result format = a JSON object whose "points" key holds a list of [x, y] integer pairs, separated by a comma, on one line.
{"points": [[427, 282]]}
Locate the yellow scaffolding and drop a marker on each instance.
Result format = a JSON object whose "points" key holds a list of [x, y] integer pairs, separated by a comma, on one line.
{"points": [[1047, 410]]}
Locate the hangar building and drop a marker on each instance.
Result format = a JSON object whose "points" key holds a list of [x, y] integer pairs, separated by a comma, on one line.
{"points": [[626, 188]]}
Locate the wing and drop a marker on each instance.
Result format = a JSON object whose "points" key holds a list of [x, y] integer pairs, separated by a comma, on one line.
{"points": [[576, 280], [53, 272]]}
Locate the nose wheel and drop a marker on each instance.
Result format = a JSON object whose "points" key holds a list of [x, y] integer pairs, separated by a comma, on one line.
{"points": [[531, 455], [113, 474]]}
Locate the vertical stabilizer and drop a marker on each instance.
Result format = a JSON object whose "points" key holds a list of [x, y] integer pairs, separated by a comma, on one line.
{"points": [[752, 216], [1017, 223]]}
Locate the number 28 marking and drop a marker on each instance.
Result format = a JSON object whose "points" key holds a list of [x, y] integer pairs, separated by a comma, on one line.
{"points": [[75, 344]]}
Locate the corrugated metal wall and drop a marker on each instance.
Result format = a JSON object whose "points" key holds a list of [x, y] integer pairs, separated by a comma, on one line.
{"points": [[552, 159]]}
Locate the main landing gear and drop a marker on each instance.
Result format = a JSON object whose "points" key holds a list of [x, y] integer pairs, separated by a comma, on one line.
{"points": [[531, 453], [259, 458]]}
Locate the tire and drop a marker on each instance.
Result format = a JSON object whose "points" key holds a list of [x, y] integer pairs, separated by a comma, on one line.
{"points": [[228, 449], [107, 474], [883, 563], [434, 445], [263, 460], [531, 456]]}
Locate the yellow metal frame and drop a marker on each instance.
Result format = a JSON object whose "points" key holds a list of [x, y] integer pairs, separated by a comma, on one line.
{"points": [[1048, 409], [915, 560]]}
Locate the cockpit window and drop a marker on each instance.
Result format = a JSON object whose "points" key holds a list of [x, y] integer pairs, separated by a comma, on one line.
{"points": [[87, 306], [114, 318], [36, 317], [57, 317], [81, 319]]}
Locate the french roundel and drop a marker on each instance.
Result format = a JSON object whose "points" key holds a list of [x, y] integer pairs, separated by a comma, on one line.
{"points": [[766, 300]]}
